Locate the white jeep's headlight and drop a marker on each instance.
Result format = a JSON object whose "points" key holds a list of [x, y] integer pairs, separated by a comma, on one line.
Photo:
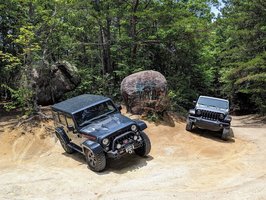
{"points": [[105, 141], [221, 116], [133, 127]]}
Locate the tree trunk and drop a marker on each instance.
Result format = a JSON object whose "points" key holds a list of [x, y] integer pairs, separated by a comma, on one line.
{"points": [[133, 30], [106, 52]]}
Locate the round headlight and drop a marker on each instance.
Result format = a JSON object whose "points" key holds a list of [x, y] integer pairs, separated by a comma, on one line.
{"points": [[105, 141], [198, 112], [133, 127], [221, 116]]}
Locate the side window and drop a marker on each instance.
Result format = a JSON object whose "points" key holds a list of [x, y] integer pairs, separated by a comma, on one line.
{"points": [[62, 119], [70, 121]]}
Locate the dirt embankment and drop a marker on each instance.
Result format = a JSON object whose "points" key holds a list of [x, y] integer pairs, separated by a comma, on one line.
{"points": [[181, 165]]}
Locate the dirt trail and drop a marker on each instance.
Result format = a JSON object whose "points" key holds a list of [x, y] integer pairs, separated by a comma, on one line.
{"points": [[181, 165]]}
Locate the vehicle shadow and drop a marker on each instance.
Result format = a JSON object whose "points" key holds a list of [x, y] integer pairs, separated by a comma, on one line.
{"points": [[212, 135], [77, 157], [130, 162]]}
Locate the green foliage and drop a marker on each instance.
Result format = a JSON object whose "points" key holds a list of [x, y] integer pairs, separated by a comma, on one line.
{"points": [[108, 40], [243, 55], [19, 99]]}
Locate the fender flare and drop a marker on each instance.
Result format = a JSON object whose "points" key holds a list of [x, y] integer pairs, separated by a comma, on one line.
{"points": [[61, 133], [95, 147], [141, 124]]}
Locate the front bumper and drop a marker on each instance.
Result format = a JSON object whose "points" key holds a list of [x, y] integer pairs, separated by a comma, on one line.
{"points": [[208, 124], [127, 149], [127, 144]]}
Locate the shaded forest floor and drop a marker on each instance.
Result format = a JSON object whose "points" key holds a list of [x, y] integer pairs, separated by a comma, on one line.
{"points": [[181, 165]]}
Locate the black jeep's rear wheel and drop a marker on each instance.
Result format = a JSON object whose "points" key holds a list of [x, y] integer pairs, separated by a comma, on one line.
{"points": [[145, 149], [96, 161], [189, 126], [65, 146]]}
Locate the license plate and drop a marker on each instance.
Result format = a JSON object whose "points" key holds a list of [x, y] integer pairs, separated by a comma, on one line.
{"points": [[130, 148]]}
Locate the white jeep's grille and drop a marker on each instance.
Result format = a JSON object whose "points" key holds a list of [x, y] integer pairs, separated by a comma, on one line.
{"points": [[209, 115]]}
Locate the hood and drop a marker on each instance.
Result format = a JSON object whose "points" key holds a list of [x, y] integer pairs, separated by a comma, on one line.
{"points": [[107, 125], [213, 109]]}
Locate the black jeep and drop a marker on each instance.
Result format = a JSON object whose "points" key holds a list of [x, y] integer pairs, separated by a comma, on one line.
{"points": [[94, 126], [212, 114]]}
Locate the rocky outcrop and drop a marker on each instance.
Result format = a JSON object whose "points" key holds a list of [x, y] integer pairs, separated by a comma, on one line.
{"points": [[145, 91], [52, 82]]}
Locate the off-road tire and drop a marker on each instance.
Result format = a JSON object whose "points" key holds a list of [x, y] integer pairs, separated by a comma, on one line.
{"points": [[189, 126], [67, 149], [145, 149], [226, 134], [95, 161]]}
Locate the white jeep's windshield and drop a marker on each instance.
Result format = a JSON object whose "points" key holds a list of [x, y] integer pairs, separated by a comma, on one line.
{"points": [[87, 115], [210, 102]]}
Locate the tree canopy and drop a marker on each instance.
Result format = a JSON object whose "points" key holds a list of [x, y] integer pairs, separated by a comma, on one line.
{"points": [[108, 40]]}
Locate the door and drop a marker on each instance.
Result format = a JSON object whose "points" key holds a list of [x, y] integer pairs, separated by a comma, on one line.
{"points": [[73, 134]]}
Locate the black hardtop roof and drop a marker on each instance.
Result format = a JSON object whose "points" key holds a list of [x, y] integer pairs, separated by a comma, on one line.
{"points": [[78, 103]]}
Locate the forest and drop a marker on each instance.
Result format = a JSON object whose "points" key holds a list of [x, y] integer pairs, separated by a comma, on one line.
{"points": [[198, 53]]}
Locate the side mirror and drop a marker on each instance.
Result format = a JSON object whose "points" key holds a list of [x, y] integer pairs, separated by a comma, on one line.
{"points": [[119, 107], [71, 128]]}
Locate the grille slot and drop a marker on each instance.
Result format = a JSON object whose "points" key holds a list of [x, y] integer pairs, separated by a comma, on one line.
{"points": [[209, 115]]}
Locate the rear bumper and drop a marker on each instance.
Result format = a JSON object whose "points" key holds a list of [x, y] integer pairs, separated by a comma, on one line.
{"points": [[208, 124]]}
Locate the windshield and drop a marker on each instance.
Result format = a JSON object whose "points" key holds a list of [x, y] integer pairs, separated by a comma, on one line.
{"points": [[87, 115], [208, 102]]}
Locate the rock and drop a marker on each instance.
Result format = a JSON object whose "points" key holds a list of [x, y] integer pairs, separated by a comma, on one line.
{"points": [[145, 91], [53, 82]]}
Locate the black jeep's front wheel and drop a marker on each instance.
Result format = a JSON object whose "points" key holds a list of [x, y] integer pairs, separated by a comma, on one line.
{"points": [[65, 146], [145, 149], [189, 126], [95, 161]]}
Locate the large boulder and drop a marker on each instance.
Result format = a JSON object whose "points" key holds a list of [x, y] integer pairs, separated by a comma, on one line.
{"points": [[52, 82], [144, 92]]}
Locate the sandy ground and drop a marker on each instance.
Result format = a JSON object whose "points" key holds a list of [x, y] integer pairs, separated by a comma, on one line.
{"points": [[181, 165]]}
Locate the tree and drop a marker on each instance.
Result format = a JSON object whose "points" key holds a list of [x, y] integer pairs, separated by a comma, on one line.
{"points": [[243, 56]]}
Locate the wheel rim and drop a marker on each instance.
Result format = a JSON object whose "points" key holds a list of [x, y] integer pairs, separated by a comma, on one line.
{"points": [[91, 158]]}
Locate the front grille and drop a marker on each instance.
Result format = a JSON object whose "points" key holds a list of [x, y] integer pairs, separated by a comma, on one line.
{"points": [[209, 115], [120, 138]]}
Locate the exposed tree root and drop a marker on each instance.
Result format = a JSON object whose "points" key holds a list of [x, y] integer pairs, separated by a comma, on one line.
{"points": [[39, 116]]}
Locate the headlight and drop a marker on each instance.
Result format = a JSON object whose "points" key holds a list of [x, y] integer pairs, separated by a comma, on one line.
{"points": [[198, 112], [221, 116], [133, 127], [105, 141]]}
